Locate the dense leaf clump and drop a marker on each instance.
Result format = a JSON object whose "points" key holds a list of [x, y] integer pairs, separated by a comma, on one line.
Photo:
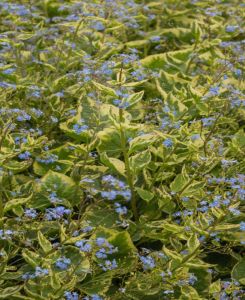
{"points": [[122, 149]]}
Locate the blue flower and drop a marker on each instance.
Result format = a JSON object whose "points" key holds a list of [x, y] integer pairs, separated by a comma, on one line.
{"points": [[54, 119], [71, 295], [128, 58], [84, 246], [148, 262], [212, 12], [98, 26], [56, 213], [24, 156], [23, 116], [87, 229], [155, 38], [8, 71], [242, 226], [40, 272], [27, 276], [126, 194], [79, 128], [63, 263], [138, 74], [49, 159], [120, 103], [168, 143], [231, 28], [53, 198], [215, 203], [234, 211], [37, 112], [203, 209], [195, 137], [59, 94], [30, 213], [93, 297], [226, 202], [4, 84], [111, 195], [214, 91], [101, 253], [226, 163], [207, 121], [6, 234], [108, 265], [238, 72], [121, 210], [202, 238], [100, 241]]}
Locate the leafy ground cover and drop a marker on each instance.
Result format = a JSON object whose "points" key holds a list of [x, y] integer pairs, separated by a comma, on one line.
{"points": [[122, 149]]}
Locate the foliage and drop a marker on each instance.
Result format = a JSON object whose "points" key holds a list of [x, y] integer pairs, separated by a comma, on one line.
{"points": [[121, 149]]}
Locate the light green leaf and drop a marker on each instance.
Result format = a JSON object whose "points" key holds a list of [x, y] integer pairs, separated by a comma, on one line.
{"points": [[66, 190], [99, 283], [107, 90], [100, 216], [193, 189], [134, 98], [172, 227], [226, 227], [189, 293], [7, 292], [238, 272], [44, 242], [172, 254], [160, 60], [11, 204], [31, 258], [54, 280], [137, 43], [215, 287], [140, 160], [114, 164], [193, 243], [142, 142], [61, 166], [144, 194], [180, 181], [18, 166], [109, 141]]}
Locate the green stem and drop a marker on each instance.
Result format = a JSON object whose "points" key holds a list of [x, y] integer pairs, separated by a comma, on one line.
{"points": [[127, 166], [1, 211], [210, 134], [1, 206]]}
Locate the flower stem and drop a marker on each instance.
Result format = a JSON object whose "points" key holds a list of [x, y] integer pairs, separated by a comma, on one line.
{"points": [[127, 166]]}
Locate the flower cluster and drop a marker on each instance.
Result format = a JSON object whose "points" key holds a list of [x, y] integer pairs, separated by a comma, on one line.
{"points": [[56, 213], [48, 159], [39, 272], [117, 188], [63, 263]]}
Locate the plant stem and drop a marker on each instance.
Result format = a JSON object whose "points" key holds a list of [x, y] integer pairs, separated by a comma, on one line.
{"points": [[127, 166], [1, 211], [1, 206]]}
